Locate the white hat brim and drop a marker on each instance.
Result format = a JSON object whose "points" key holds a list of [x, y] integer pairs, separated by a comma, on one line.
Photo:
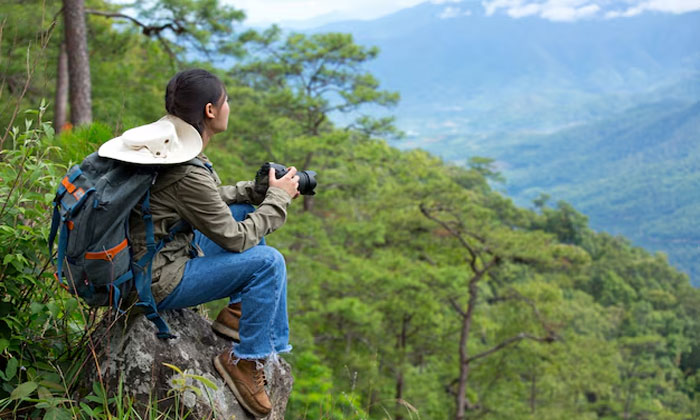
{"points": [[189, 145]]}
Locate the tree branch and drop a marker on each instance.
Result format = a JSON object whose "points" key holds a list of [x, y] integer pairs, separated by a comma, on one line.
{"points": [[515, 295], [457, 308], [454, 233], [147, 30], [509, 341], [167, 48]]}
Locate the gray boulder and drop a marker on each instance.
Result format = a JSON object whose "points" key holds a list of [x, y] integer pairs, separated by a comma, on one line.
{"points": [[130, 350]]}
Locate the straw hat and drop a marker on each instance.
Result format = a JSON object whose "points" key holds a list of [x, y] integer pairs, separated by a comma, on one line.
{"points": [[168, 140]]}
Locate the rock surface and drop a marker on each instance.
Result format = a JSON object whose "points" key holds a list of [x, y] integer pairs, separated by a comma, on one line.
{"points": [[130, 349]]}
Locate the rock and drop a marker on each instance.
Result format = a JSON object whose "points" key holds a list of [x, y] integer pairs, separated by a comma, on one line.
{"points": [[130, 349]]}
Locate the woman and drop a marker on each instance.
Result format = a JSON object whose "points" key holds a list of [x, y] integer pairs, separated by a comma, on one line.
{"points": [[221, 256]]}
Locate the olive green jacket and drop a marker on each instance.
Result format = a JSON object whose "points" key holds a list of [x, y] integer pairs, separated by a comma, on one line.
{"points": [[192, 193]]}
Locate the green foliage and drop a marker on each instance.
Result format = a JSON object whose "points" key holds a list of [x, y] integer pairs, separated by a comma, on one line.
{"points": [[309, 77], [39, 324], [27, 307], [27, 43], [485, 167], [205, 26], [313, 399], [187, 382]]}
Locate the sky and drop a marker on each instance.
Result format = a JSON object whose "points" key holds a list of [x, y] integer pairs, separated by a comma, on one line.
{"points": [[261, 12]]}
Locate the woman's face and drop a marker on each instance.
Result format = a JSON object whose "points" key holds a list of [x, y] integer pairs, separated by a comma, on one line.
{"points": [[219, 122]]}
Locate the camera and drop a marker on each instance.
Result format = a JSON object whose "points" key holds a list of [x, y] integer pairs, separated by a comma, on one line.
{"points": [[307, 179]]}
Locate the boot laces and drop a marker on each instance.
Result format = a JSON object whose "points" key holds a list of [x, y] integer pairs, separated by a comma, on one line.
{"points": [[259, 377]]}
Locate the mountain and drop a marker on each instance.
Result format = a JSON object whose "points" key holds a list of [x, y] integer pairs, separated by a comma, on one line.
{"points": [[635, 174], [603, 113], [473, 72]]}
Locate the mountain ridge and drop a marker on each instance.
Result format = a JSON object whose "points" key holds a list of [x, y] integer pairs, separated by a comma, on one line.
{"points": [[635, 174], [486, 65]]}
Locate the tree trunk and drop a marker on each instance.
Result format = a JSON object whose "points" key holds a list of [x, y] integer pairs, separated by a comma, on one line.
{"points": [[61, 103], [78, 61], [399, 395], [463, 351], [533, 391], [401, 344], [308, 202]]}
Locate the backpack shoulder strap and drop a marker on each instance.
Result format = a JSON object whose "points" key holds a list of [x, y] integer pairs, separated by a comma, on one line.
{"points": [[143, 276], [198, 162], [168, 175]]}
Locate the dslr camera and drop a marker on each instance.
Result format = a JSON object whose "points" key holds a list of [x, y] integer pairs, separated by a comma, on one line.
{"points": [[307, 179]]}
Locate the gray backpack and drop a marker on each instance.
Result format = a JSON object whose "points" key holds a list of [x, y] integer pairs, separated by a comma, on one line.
{"points": [[91, 217]]}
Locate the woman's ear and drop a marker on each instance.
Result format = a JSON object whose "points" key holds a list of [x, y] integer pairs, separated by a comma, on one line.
{"points": [[209, 110]]}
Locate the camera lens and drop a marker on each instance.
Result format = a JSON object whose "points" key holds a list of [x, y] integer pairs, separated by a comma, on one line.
{"points": [[307, 182]]}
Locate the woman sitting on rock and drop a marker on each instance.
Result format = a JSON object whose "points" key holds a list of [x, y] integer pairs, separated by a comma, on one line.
{"points": [[224, 254]]}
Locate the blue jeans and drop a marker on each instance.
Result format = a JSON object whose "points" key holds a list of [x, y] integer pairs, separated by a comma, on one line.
{"points": [[256, 277]]}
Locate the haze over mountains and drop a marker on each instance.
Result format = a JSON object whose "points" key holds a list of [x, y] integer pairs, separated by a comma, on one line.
{"points": [[602, 112], [461, 66]]}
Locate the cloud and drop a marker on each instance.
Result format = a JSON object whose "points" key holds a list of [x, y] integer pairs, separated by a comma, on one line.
{"points": [[632, 11], [453, 12], [570, 14], [571, 10], [668, 6], [524, 11], [558, 10], [492, 7], [673, 6]]}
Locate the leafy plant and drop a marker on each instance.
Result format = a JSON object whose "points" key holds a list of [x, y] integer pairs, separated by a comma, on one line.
{"points": [[185, 382]]}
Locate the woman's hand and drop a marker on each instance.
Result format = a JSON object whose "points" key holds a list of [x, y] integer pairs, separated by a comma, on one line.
{"points": [[289, 182]]}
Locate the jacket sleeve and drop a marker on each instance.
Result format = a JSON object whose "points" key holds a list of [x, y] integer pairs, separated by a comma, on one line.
{"points": [[242, 192], [198, 201]]}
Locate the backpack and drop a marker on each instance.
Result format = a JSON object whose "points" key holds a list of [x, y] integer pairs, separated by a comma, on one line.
{"points": [[91, 217]]}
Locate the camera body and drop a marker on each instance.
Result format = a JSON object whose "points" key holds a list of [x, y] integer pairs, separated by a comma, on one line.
{"points": [[307, 179]]}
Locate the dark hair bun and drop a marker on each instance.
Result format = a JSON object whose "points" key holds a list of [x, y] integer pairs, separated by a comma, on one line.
{"points": [[189, 91]]}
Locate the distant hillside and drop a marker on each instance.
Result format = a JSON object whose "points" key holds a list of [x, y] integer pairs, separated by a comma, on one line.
{"points": [[636, 174]]}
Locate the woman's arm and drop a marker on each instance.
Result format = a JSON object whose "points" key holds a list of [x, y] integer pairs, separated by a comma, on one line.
{"points": [[242, 192], [199, 202]]}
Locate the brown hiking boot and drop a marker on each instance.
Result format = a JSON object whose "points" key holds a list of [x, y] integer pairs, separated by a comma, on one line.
{"points": [[246, 378], [226, 322]]}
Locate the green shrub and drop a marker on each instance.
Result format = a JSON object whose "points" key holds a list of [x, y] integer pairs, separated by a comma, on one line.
{"points": [[42, 327]]}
